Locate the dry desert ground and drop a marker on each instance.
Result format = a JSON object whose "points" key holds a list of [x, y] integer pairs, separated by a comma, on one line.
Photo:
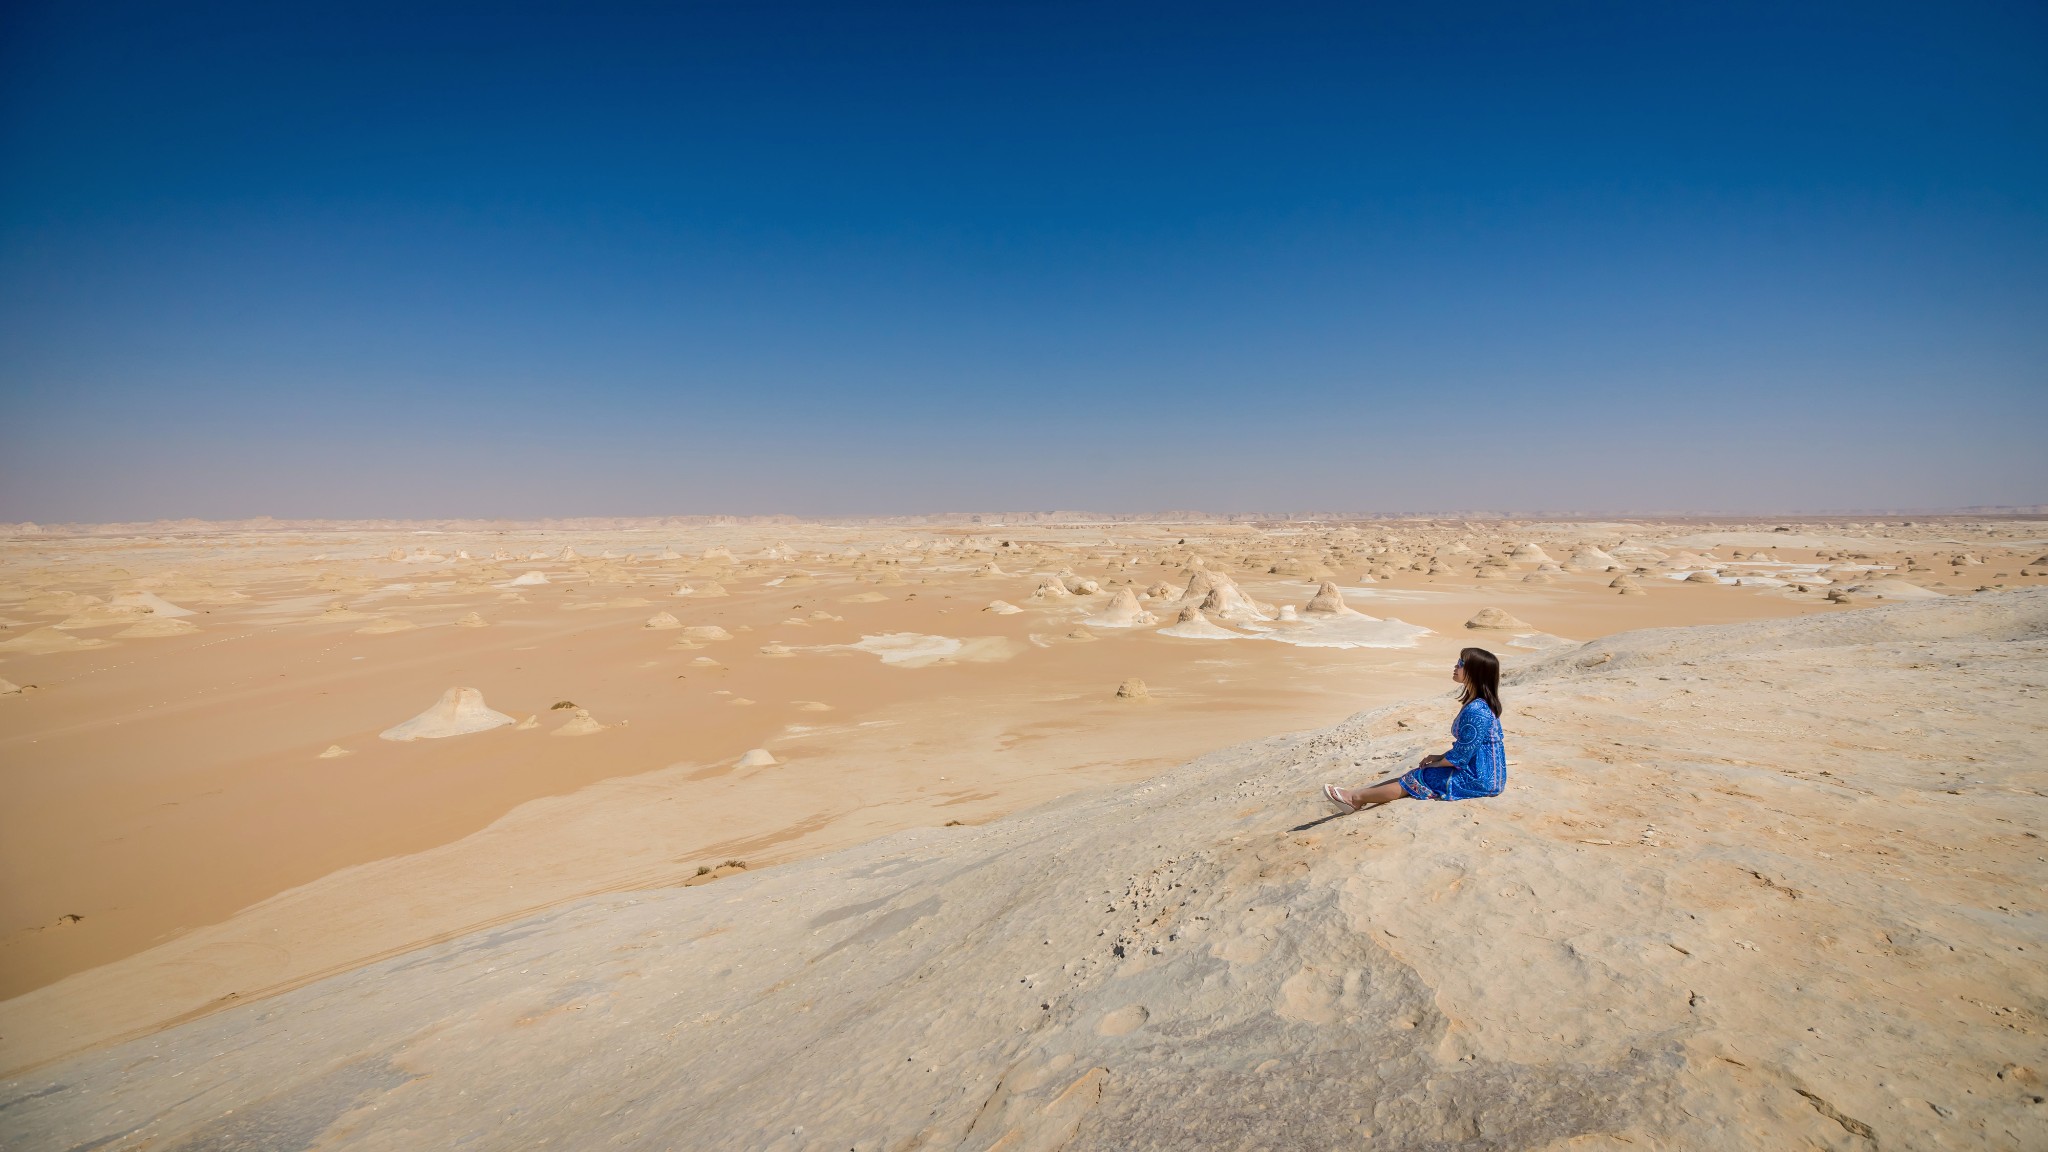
{"points": [[993, 835]]}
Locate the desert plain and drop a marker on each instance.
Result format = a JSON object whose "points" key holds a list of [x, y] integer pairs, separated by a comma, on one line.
{"points": [[1006, 833]]}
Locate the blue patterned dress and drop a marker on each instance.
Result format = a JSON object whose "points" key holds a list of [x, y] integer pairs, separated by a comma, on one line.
{"points": [[1478, 760]]}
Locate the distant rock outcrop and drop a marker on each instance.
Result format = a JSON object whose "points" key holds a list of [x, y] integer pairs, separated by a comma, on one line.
{"points": [[1328, 600], [459, 712]]}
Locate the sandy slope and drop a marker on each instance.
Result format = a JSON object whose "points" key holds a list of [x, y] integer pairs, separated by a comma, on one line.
{"points": [[1774, 884]]}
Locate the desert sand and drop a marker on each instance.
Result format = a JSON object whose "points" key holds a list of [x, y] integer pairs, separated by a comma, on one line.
{"points": [[925, 874]]}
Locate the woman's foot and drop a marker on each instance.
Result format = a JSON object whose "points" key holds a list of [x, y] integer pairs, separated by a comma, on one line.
{"points": [[1339, 797]]}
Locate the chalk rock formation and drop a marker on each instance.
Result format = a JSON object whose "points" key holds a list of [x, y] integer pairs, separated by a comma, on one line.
{"points": [[1703, 576], [151, 603], [706, 632], [459, 712], [579, 723], [1079, 585], [1002, 608], [1328, 600], [662, 621], [1051, 589], [757, 758], [526, 580], [1227, 600], [47, 641], [1885, 588], [101, 616], [1192, 625], [1494, 618], [1123, 612], [1627, 585], [1132, 689], [151, 627]]}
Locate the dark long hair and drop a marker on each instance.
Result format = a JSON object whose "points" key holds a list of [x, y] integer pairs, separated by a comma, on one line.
{"points": [[1482, 678]]}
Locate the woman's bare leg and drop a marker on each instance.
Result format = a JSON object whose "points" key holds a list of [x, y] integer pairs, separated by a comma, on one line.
{"points": [[1380, 793]]}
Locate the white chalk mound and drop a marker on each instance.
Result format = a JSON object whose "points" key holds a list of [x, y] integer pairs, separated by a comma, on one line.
{"points": [[1886, 589], [1227, 600], [150, 627], [579, 723], [1192, 625], [526, 581], [1351, 630], [44, 641], [1002, 608], [151, 603], [1052, 589], [907, 649], [662, 621], [757, 758], [460, 712], [1495, 618], [1123, 612], [1328, 601]]}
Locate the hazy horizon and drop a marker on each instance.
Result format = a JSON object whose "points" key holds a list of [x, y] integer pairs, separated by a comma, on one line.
{"points": [[372, 262]]}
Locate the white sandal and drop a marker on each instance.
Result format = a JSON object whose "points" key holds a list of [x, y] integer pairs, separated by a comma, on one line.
{"points": [[1330, 792]]}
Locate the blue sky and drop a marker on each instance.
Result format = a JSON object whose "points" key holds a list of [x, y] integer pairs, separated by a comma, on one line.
{"points": [[468, 260]]}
